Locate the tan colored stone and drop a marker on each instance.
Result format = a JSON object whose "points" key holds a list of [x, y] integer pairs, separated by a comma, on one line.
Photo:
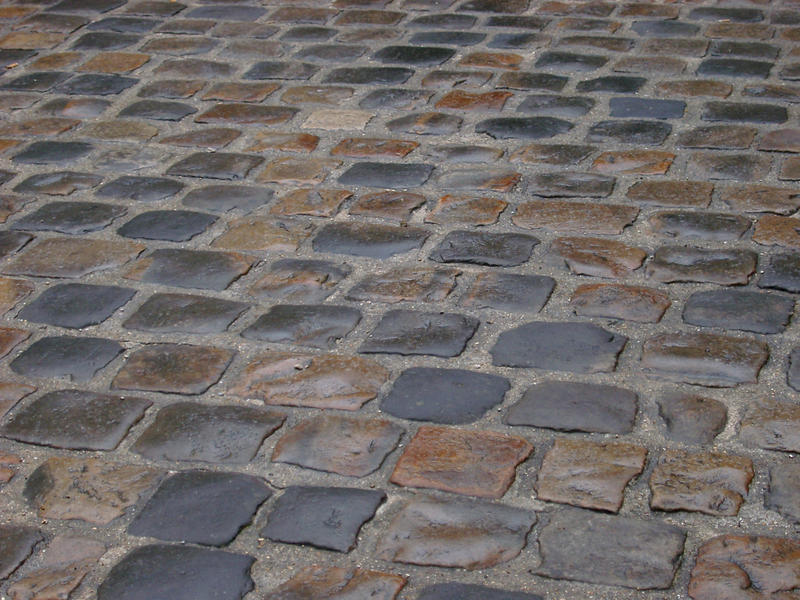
{"points": [[790, 169], [294, 171], [10, 205], [311, 202], [26, 40], [492, 60], [615, 301], [589, 474], [461, 100], [12, 291], [761, 198], [781, 140], [396, 206], [235, 91], [11, 393], [650, 64], [213, 137], [114, 62], [773, 425], [598, 257], [57, 60], [339, 583], [753, 31], [120, 130], [326, 381], [317, 94], [302, 143], [7, 144], [672, 193], [10, 337], [332, 119], [88, 489], [40, 126], [262, 233], [706, 482], [575, 217], [695, 87], [69, 258], [466, 210], [475, 463], [373, 148], [634, 162], [774, 230]]}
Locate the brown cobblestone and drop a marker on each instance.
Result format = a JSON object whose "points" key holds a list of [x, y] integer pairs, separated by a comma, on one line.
{"points": [[466, 210], [405, 285], [615, 301], [598, 257], [575, 217], [311, 202]]}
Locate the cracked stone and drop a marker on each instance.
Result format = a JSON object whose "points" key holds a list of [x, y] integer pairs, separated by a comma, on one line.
{"points": [[296, 280], [598, 257], [173, 368], [326, 381], [330, 583], [704, 359]]}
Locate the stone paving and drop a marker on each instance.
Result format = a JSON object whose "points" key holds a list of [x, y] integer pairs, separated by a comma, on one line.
{"points": [[414, 299]]}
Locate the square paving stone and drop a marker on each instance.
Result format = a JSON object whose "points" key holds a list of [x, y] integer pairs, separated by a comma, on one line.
{"points": [[294, 379], [574, 406], [178, 572], [704, 358], [338, 444], [88, 489], [706, 482], [224, 198], [589, 474], [202, 269], [70, 217], [300, 280], [193, 432], [184, 313], [18, 544], [44, 153], [739, 309], [215, 165], [76, 358], [96, 85], [479, 534], [167, 225], [72, 258], [405, 285], [475, 463], [573, 347], [386, 175], [693, 419], [493, 249], [145, 189], [408, 332], [332, 583], [76, 305], [582, 546], [75, 420], [196, 507], [450, 396], [173, 368], [509, 292], [325, 517], [366, 239], [468, 591], [318, 326]]}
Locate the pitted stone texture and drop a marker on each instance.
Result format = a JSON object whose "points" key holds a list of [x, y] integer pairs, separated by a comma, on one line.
{"points": [[310, 202], [782, 273], [324, 517], [475, 463], [773, 425], [575, 217], [406, 284], [706, 482], [492, 249], [91, 490], [75, 420], [18, 543], [611, 550], [196, 507], [408, 332], [704, 358], [479, 535], [774, 230], [395, 206], [327, 381], [746, 567], [257, 234], [450, 396], [300, 280], [466, 210], [509, 292], [466, 591], [783, 494], [573, 347], [173, 368], [370, 240], [338, 444], [192, 432], [681, 263], [182, 572], [72, 258], [202, 269], [700, 225], [64, 565], [74, 358], [739, 309], [598, 257], [339, 583], [589, 474], [184, 313], [696, 194], [318, 326], [76, 305], [572, 406], [693, 419], [615, 301]]}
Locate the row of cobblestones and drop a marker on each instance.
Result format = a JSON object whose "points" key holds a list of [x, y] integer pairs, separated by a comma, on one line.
{"points": [[430, 299]]}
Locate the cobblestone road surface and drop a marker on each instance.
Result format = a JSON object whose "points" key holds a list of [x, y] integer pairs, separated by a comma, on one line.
{"points": [[414, 299]]}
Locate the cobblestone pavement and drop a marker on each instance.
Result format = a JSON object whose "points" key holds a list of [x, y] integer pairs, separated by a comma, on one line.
{"points": [[415, 299]]}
